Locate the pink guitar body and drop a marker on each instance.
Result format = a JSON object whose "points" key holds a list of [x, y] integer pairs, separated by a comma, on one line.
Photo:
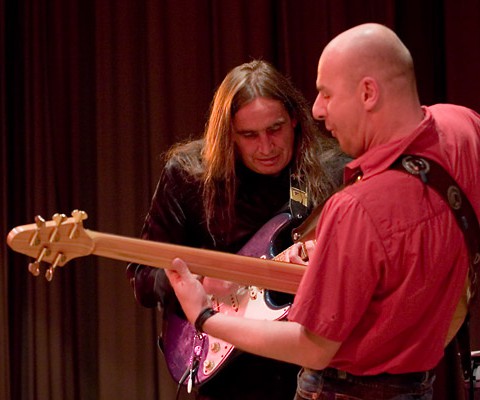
{"points": [[185, 349]]}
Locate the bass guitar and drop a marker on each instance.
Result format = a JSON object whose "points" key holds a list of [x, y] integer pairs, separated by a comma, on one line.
{"points": [[255, 269]]}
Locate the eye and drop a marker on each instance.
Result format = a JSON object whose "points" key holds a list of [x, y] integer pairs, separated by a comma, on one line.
{"points": [[247, 134], [275, 128], [323, 94]]}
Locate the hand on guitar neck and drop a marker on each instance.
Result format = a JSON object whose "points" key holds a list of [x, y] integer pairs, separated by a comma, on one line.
{"points": [[299, 253]]}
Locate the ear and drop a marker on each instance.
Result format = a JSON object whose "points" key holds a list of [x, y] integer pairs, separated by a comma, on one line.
{"points": [[370, 92]]}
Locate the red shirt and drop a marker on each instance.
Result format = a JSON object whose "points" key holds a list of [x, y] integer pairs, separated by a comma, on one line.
{"points": [[390, 261]]}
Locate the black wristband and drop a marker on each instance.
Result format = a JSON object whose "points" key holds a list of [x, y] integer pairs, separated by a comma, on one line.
{"points": [[205, 314]]}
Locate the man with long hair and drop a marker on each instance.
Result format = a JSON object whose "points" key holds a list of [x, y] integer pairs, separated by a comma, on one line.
{"points": [[260, 145]]}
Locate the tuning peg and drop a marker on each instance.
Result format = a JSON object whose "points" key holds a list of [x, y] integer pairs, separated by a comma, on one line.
{"points": [[40, 222], [78, 217], [58, 219], [34, 267], [51, 270]]}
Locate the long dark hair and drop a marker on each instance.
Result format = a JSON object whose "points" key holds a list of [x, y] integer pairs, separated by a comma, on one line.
{"points": [[216, 166]]}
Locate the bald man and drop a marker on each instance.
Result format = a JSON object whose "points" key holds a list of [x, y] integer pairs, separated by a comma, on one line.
{"points": [[372, 314]]}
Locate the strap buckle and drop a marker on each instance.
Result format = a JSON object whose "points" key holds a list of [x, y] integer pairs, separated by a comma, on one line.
{"points": [[416, 166]]}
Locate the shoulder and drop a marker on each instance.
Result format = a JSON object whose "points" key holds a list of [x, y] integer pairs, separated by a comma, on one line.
{"points": [[389, 201], [444, 109], [451, 116], [334, 158], [185, 152], [385, 190], [185, 159]]}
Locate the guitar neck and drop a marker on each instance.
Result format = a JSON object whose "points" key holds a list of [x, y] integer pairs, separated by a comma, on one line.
{"points": [[270, 274], [58, 241]]}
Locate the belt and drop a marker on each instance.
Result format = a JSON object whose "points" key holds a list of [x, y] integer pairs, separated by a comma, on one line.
{"points": [[394, 379]]}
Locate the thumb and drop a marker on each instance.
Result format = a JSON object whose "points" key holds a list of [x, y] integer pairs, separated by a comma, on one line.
{"points": [[178, 271]]}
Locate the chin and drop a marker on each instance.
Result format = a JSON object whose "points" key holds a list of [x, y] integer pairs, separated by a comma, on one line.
{"points": [[269, 171]]}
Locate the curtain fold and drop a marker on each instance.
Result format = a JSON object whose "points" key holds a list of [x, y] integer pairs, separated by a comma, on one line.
{"points": [[92, 92], [4, 187]]}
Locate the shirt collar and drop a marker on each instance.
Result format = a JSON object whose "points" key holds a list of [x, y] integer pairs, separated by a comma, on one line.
{"points": [[381, 157]]}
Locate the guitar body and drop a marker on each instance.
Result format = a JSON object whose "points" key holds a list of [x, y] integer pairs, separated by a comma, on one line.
{"points": [[185, 349]]}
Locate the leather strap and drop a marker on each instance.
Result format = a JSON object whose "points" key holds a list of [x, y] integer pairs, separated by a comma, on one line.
{"points": [[434, 175], [298, 203]]}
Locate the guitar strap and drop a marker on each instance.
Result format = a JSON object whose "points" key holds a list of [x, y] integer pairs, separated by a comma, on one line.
{"points": [[298, 202], [434, 175]]}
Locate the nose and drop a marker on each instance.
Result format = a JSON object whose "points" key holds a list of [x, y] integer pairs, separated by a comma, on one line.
{"points": [[264, 143], [318, 109]]}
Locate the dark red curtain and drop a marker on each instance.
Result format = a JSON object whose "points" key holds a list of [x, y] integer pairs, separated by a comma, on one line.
{"points": [[91, 93]]}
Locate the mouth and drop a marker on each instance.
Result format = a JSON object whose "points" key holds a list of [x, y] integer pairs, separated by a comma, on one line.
{"points": [[330, 129], [268, 162]]}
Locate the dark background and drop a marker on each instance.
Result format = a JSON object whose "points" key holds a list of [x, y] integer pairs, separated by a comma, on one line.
{"points": [[92, 92]]}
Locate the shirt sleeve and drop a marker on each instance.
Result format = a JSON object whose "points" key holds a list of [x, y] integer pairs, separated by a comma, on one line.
{"points": [[343, 270]]}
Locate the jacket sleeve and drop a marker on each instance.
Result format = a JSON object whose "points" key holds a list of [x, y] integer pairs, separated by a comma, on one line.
{"points": [[165, 222]]}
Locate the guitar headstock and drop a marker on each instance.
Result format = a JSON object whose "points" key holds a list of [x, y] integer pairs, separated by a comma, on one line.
{"points": [[55, 242]]}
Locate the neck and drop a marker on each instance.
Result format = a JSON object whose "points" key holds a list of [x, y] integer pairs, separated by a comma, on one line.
{"points": [[397, 122]]}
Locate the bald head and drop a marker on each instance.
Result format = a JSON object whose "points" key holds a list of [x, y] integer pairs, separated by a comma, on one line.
{"points": [[367, 88], [370, 50]]}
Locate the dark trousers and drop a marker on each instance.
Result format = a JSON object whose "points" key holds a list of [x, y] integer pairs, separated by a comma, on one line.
{"points": [[331, 384]]}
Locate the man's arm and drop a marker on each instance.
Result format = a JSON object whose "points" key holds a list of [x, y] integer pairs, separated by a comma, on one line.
{"points": [[281, 340]]}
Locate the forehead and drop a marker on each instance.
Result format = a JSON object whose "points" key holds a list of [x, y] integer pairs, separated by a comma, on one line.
{"points": [[321, 74], [260, 109], [330, 72]]}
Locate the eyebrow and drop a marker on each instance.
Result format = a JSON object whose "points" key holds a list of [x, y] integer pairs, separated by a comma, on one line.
{"points": [[279, 121]]}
